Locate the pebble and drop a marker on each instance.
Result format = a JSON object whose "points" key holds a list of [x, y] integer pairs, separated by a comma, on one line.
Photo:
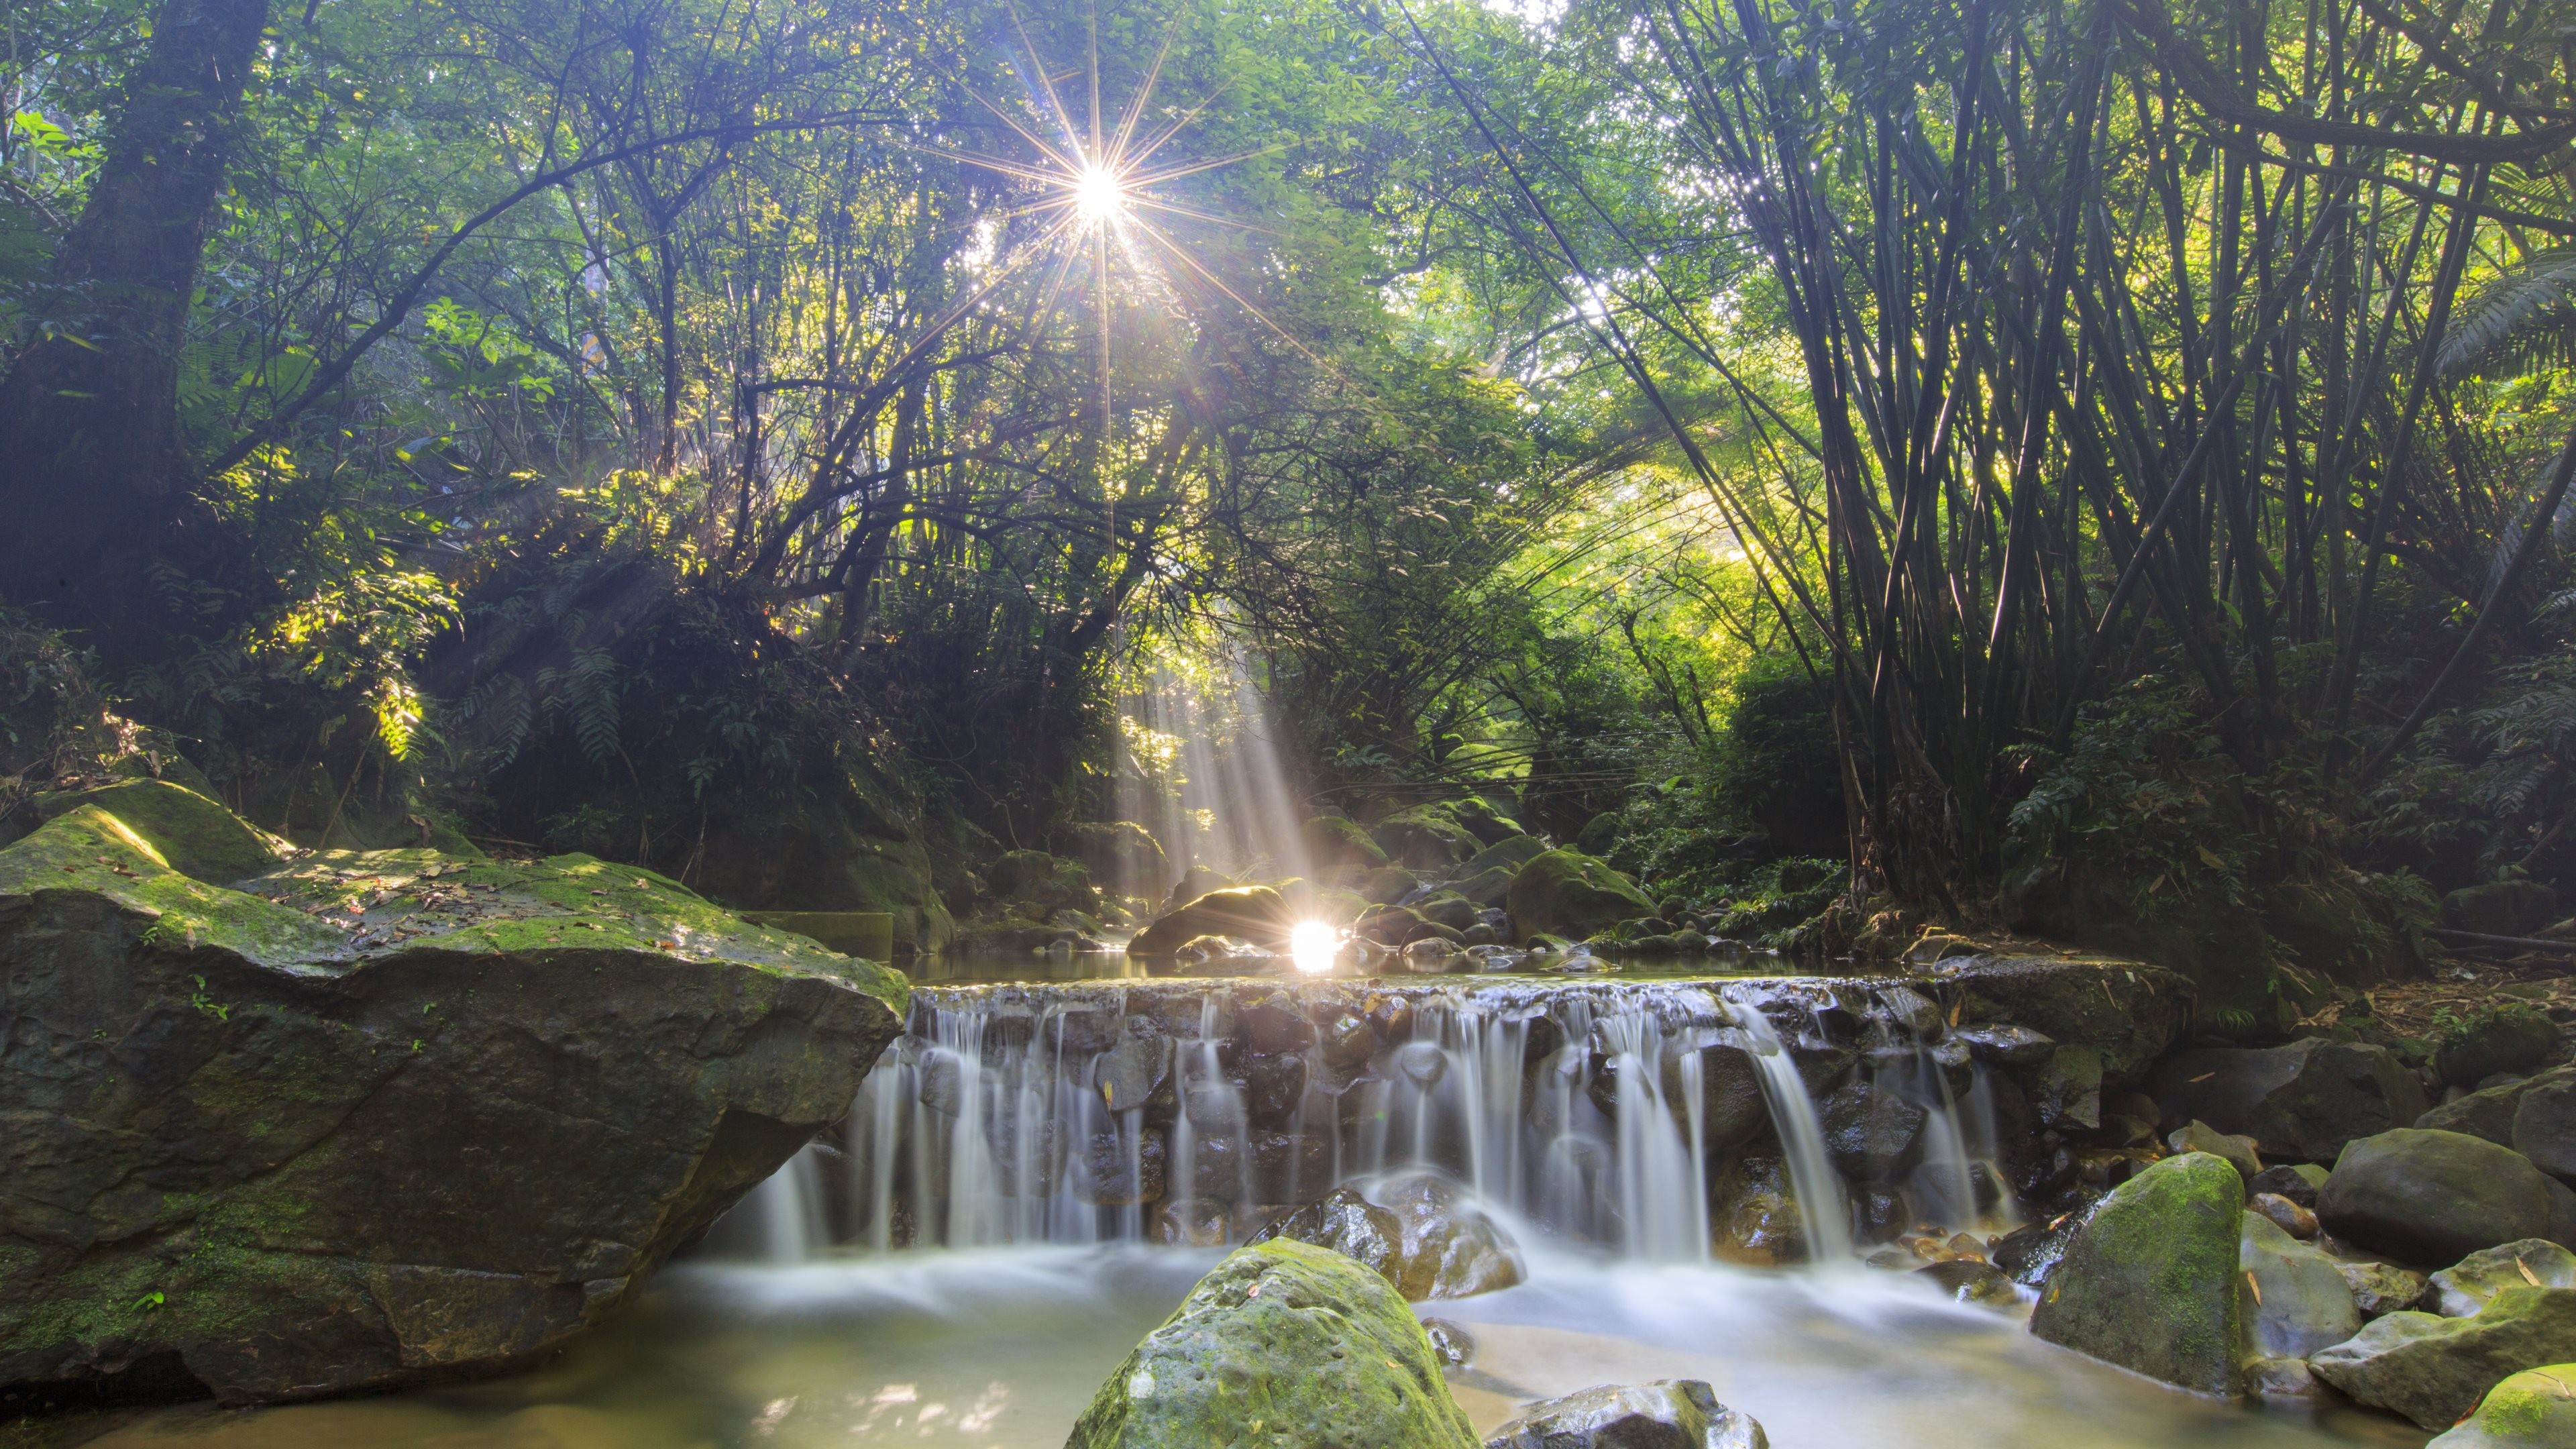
{"points": [[2291, 1218]]}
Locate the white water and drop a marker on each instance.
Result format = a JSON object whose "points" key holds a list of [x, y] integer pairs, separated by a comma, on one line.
{"points": [[979, 1129]]}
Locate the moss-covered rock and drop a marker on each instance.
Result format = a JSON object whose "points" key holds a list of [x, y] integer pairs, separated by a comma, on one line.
{"points": [[2534, 1409], [2511, 1036], [2435, 1370], [1120, 852], [1567, 893], [1426, 837], [1257, 914], [1335, 843], [1509, 853], [1050, 882], [1283, 1343], [376, 1118], [198, 837], [2150, 1283]]}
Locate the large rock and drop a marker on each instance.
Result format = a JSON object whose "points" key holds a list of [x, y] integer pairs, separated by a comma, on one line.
{"points": [[2510, 1037], [2304, 1100], [1732, 1107], [2501, 908], [1252, 913], [2535, 1409], [2128, 1011], [1754, 1216], [2434, 1197], [2151, 1282], [2298, 1301], [2544, 1124], [1508, 854], [374, 1119], [1451, 1249], [1284, 1343], [1051, 882], [2467, 1286], [1350, 1225], [2489, 1113], [1426, 837], [2434, 1370], [1566, 893], [1121, 852], [1335, 844], [1872, 1133], [1665, 1414]]}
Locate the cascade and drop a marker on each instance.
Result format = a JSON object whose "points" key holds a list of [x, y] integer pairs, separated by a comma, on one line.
{"points": [[1197, 1111]]}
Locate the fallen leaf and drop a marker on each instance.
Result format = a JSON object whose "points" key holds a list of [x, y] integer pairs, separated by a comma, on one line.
{"points": [[2203, 1077]]}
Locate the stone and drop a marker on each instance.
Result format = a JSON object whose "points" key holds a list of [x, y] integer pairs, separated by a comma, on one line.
{"points": [[2544, 1123], [1287, 1341], [1508, 854], [2296, 1298], [2379, 1289], [1122, 1169], [381, 1118], [1426, 837], [2488, 1112], [2283, 1383], [2128, 1011], [1050, 882], [2511, 1037], [2031, 1252], [1195, 882], [1252, 913], [1567, 893], [2286, 1215], [1872, 1134], [2304, 1100], [1137, 1072], [2434, 1370], [2534, 1409], [1274, 1087], [2297, 1182], [1454, 1345], [2466, 1287], [1351, 1225], [1971, 1281], [2151, 1283], [2501, 908], [2433, 1197], [1754, 1216], [2070, 1087], [1450, 1248], [1665, 1414], [1120, 851], [1336, 843], [2005, 1045], [1272, 1021], [2199, 1136], [1388, 884]]}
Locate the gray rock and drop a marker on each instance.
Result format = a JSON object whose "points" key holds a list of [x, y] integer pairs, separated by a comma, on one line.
{"points": [[1665, 1414], [2534, 1409], [2283, 1383], [1454, 1346], [1317, 1348], [2434, 1370], [2434, 1197], [2299, 1301], [2151, 1283], [2297, 1181], [2305, 1100], [2069, 1090], [2465, 1287], [2379, 1289], [1733, 1110], [2488, 1113], [2512, 1037], [1350, 1225], [2199, 1136], [1872, 1134], [2005, 1045], [2544, 1123]]}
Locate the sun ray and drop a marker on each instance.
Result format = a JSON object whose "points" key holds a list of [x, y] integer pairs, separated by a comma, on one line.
{"points": [[1182, 255], [1156, 178], [1176, 209], [1144, 96]]}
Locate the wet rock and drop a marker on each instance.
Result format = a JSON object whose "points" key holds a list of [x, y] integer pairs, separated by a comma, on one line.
{"points": [[1450, 1248], [1123, 1169], [1821, 1064], [2284, 1383], [1753, 1213], [2379, 1289], [1313, 1346], [1455, 912], [2296, 1298], [2297, 1182], [2467, 1286], [1878, 1214], [1733, 1110], [1350, 1225], [2070, 1088], [1971, 1281], [2150, 1283], [1346, 1040], [1567, 893], [2304, 1100], [1665, 1414], [2198, 1136], [1081, 1031], [1252, 913], [1273, 1022], [2435, 1370], [2286, 1215], [1273, 1087], [1215, 1174], [1391, 1017], [375, 1118], [2513, 1037], [2434, 1197], [1388, 884], [2130, 1013], [1872, 1133], [2534, 1409], [2005, 1045], [1195, 1223], [1453, 1345], [1137, 1072], [1288, 1166], [1432, 954]]}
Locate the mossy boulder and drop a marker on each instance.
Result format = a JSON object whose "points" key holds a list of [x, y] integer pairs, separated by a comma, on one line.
{"points": [[2429, 1197], [1257, 914], [1426, 837], [198, 837], [1121, 852], [1508, 854], [2435, 1370], [2509, 1037], [2150, 1283], [1050, 882], [1336, 843], [1568, 893], [2534, 1409], [372, 1119], [2501, 908], [1282, 1343]]}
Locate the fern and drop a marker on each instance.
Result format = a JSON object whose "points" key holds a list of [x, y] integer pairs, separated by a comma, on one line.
{"points": [[2524, 321], [590, 697]]}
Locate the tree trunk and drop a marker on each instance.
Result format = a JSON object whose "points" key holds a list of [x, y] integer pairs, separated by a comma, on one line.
{"points": [[93, 476]]}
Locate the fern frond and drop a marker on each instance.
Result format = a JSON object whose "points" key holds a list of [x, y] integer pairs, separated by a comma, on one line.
{"points": [[2523, 320]]}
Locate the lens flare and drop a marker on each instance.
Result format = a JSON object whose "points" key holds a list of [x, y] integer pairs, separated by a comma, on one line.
{"points": [[1099, 195], [1311, 945]]}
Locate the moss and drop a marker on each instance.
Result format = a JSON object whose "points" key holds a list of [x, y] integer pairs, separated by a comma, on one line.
{"points": [[1565, 892], [193, 834], [2150, 1284]]}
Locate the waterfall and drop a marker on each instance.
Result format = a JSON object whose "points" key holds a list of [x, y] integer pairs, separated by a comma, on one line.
{"points": [[1194, 1112]]}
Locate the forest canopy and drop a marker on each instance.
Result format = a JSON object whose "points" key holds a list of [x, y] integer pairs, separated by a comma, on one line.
{"points": [[2097, 465]]}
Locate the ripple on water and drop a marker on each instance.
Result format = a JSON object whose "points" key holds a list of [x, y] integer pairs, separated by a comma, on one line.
{"points": [[1002, 1348]]}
